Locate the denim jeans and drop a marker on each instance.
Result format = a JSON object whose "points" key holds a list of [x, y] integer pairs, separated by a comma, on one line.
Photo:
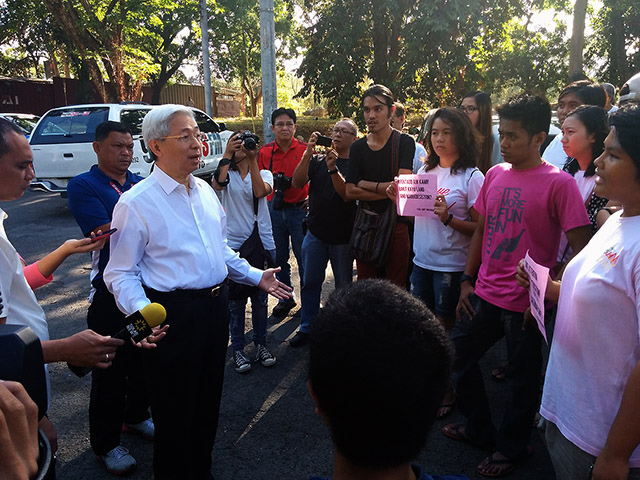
{"points": [[315, 255], [259, 301], [288, 223], [439, 290], [472, 337]]}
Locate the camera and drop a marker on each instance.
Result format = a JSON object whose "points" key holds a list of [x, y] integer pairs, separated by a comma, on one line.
{"points": [[280, 183], [249, 140]]}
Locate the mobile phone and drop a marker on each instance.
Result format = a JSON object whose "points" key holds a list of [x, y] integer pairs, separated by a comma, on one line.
{"points": [[104, 234], [323, 141]]}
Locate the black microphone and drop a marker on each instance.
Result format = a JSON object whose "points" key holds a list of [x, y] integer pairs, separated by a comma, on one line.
{"points": [[139, 327]]}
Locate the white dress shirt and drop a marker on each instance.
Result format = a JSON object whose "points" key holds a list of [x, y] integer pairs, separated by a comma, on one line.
{"points": [[169, 239]]}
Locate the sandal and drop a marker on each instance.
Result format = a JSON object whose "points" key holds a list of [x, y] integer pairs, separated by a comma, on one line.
{"points": [[457, 432], [508, 464], [497, 374]]}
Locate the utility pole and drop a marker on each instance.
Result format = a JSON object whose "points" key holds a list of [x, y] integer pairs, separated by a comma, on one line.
{"points": [[268, 65], [206, 67]]}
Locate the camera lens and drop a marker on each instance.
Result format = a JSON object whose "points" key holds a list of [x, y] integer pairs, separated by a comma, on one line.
{"points": [[250, 144]]}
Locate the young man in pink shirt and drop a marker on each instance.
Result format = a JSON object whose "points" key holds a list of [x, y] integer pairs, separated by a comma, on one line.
{"points": [[524, 205]]}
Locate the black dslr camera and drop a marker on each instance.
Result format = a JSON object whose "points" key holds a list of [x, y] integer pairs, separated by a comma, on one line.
{"points": [[280, 183], [249, 140]]}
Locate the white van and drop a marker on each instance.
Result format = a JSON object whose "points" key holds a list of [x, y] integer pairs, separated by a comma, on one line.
{"points": [[62, 142]]}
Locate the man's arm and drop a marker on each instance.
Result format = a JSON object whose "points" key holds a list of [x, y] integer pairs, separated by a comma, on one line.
{"points": [[474, 257], [301, 173], [368, 191], [624, 436], [84, 349]]}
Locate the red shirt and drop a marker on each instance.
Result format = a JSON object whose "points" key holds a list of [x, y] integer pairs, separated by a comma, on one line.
{"points": [[285, 162]]}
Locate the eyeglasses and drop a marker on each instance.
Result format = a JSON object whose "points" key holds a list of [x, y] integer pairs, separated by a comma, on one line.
{"points": [[468, 109], [283, 124], [199, 136], [343, 131]]}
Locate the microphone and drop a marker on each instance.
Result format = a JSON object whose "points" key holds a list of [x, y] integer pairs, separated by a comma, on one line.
{"points": [[138, 328]]}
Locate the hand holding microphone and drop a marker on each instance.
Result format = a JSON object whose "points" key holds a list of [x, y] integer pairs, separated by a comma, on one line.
{"points": [[140, 325]]}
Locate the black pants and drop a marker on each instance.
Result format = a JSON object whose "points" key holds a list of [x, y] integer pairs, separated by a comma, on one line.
{"points": [[472, 337], [185, 375], [118, 393]]}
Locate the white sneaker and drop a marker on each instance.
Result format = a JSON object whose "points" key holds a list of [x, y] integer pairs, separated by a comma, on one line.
{"points": [[118, 461], [264, 356], [146, 428]]}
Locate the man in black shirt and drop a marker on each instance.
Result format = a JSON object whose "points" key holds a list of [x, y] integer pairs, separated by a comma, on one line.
{"points": [[330, 220], [370, 172]]}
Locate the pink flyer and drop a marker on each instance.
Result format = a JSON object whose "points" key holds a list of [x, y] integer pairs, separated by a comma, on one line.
{"points": [[417, 194]]}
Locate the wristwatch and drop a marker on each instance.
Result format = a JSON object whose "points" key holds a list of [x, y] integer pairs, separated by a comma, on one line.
{"points": [[465, 278], [334, 171], [224, 162], [448, 220]]}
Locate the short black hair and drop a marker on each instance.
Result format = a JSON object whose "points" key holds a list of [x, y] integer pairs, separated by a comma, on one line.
{"points": [[7, 127], [626, 121], [379, 92], [400, 110], [289, 112], [105, 128], [379, 365], [588, 92], [531, 110]]}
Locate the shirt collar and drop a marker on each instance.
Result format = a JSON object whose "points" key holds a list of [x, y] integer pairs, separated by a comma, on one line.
{"points": [[104, 178], [167, 183], [294, 143]]}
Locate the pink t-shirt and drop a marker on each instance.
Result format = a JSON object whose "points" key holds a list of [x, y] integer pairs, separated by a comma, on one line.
{"points": [[523, 210]]}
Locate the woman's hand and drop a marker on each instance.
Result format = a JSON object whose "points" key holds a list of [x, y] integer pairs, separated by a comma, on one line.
{"points": [[440, 208]]}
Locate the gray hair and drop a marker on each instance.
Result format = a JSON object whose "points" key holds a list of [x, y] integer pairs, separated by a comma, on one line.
{"points": [[155, 125]]}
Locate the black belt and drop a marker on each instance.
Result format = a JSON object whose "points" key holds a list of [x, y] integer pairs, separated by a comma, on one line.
{"points": [[294, 205], [212, 292]]}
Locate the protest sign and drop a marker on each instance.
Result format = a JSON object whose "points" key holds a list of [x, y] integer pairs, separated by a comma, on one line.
{"points": [[417, 194], [538, 276]]}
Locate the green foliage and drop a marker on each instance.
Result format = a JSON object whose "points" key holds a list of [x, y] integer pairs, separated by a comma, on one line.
{"points": [[613, 51]]}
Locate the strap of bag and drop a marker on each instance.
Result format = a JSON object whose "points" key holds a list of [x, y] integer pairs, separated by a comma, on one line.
{"points": [[395, 152]]}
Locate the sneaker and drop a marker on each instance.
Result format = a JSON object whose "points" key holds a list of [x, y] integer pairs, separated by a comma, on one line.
{"points": [[242, 363], [299, 339], [264, 356], [282, 309], [118, 461], [145, 428]]}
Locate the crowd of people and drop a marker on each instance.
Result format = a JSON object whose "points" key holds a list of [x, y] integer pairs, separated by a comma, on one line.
{"points": [[435, 291]]}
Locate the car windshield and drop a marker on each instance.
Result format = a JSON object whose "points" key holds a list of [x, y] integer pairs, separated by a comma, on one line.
{"points": [[133, 119], [70, 125]]}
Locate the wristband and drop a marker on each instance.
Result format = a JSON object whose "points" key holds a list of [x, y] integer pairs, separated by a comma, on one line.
{"points": [[448, 220], [224, 162], [334, 171], [465, 278], [608, 210], [377, 185]]}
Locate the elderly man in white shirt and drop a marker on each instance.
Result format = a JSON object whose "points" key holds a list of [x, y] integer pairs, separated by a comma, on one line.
{"points": [[171, 248]]}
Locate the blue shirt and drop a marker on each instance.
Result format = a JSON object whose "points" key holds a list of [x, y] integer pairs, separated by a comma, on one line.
{"points": [[92, 197]]}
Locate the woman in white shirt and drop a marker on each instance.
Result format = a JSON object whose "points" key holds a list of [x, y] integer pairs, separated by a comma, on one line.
{"points": [[591, 398], [441, 240], [239, 180]]}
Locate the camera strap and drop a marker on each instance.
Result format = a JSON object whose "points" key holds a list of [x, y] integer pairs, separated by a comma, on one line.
{"points": [[273, 149]]}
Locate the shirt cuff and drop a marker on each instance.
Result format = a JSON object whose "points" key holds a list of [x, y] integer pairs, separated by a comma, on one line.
{"points": [[254, 276]]}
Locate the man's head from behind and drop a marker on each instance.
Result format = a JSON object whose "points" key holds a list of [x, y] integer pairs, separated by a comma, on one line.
{"points": [[379, 366], [399, 116], [16, 162], [114, 148]]}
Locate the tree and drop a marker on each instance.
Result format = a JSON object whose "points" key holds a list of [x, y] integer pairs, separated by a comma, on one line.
{"points": [[613, 50], [235, 37], [577, 37]]}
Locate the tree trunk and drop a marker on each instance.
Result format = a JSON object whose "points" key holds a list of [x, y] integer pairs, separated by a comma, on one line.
{"points": [[577, 37]]}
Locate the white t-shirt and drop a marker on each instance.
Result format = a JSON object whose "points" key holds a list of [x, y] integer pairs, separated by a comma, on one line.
{"points": [[554, 153], [441, 248], [585, 185], [237, 200], [596, 342], [17, 301]]}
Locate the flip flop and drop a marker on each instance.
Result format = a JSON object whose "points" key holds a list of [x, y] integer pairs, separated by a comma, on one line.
{"points": [[457, 432], [509, 463]]}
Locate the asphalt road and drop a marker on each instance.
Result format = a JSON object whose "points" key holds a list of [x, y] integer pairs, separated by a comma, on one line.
{"points": [[268, 429]]}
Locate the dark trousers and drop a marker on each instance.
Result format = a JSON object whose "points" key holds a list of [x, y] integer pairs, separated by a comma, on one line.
{"points": [[472, 337], [118, 393], [185, 374]]}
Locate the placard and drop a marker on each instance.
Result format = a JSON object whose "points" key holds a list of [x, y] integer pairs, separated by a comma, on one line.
{"points": [[538, 276], [417, 194]]}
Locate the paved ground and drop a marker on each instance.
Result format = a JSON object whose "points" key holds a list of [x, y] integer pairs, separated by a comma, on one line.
{"points": [[268, 429]]}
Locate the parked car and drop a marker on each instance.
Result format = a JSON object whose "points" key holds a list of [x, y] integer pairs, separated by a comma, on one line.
{"points": [[25, 121], [62, 142]]}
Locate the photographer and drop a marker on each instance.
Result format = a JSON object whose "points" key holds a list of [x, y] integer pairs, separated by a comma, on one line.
{"points": [[287, 204], [244, 189], [330, 219]]}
